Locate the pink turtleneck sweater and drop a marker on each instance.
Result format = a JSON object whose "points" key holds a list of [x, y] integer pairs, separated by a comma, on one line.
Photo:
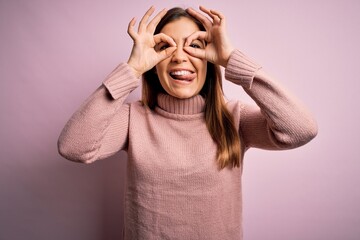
{"points": [[174, 189]]}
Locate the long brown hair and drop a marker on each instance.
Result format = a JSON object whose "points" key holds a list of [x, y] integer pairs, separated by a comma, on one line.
{"points": [[218, 120]]}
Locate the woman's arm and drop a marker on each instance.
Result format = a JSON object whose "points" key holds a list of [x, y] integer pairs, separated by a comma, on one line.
{"points": [[99, 127], [279, 121]]}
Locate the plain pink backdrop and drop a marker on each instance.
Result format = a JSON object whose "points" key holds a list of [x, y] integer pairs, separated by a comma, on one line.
{"points": [[53, 54]]}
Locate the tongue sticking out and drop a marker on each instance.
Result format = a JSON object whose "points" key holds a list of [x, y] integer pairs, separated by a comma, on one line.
{"points": [[183, 75]]}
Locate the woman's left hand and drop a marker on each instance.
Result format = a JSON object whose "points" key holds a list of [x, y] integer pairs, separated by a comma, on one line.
{"points": [[218, 48]]}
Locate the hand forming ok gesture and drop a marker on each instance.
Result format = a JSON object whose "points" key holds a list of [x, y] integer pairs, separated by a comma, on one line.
{"points": [[218, 48], [143, 56]]}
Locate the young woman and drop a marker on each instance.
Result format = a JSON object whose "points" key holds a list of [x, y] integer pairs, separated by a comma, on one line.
{"points": [[185, 143]]}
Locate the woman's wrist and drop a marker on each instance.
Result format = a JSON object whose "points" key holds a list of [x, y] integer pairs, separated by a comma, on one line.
{"points": [[134, 70], [226, 57]]}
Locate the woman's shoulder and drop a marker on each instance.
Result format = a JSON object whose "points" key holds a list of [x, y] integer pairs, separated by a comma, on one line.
{"points": [[139, 108], [234, 106], [138, 105]]}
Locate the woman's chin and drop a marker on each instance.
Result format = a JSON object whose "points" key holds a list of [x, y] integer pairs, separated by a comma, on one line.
{"points": [[182, 94]]}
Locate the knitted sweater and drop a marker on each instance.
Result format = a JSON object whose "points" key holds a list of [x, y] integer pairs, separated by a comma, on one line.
{"points": [[174, 188]]}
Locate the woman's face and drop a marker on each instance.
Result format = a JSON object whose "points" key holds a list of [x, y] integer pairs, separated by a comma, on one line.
{"points": [[181, 75]]}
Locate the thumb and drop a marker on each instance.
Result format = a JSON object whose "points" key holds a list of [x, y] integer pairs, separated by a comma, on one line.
{"points": [[166, 53], [195, 52]]}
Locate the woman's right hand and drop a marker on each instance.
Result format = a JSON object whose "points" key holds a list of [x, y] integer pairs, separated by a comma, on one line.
{"points": [[143, 55]]}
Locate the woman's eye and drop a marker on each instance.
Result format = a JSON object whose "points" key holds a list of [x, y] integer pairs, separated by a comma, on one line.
{"points": [[162, 47], [194, 45]]}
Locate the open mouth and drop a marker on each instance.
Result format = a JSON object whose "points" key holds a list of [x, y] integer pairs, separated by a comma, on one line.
{"points": [[183, 75]]}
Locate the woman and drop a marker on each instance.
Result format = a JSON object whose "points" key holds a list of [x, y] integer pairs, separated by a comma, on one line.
{"points": [[185, 144]]}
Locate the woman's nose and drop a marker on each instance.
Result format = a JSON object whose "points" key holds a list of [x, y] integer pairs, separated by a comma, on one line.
{"points": [[179, 55]]}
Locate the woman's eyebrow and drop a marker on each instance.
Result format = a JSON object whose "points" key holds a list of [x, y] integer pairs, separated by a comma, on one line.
{"points": [[203, 42], [186, 38]]}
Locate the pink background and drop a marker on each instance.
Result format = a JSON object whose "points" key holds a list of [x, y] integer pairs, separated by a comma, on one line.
{"points": [[53, 54]]}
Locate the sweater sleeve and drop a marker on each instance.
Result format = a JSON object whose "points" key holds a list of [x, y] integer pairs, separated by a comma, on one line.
{"points": [[279, 121], [99, 128]]}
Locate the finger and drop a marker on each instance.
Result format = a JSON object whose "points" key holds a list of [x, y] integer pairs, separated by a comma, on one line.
{"points": [[196, 52], [216, 19], [155, 21], [200, 35], [166, 53], [162, 37], [144, 19], [203, 19], [131, 30], [219, 15]]}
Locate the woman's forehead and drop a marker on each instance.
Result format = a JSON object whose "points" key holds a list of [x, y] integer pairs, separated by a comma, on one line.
{"points": [[180, 28]]}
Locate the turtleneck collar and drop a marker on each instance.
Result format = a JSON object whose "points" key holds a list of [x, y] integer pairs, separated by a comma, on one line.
{"points": [[188, 106]]}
